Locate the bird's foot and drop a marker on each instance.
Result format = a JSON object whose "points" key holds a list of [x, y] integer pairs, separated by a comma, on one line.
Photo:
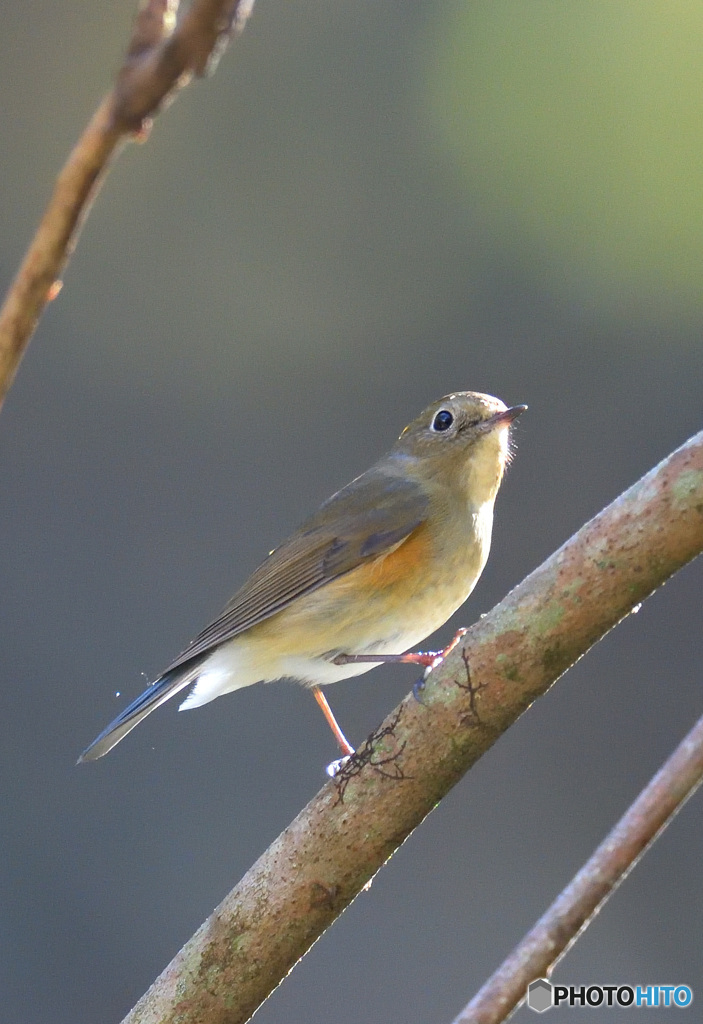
{"points": [[334, 768], [430, 660], [436, 659]]}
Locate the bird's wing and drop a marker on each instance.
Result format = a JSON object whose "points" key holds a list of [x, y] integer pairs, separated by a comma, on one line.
{"points": [[364, 520]]}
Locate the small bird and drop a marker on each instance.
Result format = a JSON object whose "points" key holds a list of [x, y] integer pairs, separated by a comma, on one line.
{"points": [[382, 564]]}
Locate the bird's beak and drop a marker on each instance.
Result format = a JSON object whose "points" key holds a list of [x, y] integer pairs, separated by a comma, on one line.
{"points": [[505, 418]]}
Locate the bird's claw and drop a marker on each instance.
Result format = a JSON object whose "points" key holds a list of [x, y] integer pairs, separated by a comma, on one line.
{"points": [[335, 767], [419, 686]]}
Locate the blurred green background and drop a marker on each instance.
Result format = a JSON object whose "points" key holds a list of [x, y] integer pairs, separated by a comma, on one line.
{"points": [[368, 206]]}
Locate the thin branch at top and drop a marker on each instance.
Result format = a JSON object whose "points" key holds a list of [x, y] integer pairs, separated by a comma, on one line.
{"points": [[162, 56]]}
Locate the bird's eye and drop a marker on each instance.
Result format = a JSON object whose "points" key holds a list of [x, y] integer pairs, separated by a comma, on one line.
{"points": [[442, 421]]}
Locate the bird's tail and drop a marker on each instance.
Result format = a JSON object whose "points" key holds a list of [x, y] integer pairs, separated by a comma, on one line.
{"points": [[153, 697]]}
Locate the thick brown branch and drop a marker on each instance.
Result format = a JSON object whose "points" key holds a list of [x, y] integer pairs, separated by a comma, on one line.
{"points": [[583, 898], [160, 59], [513, 655]]}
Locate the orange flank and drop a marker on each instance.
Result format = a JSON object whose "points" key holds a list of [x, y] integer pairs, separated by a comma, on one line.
{"points": [[402, 566]]}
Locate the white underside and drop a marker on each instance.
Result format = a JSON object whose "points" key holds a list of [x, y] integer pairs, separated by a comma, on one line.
{"points": [[230, 668]]}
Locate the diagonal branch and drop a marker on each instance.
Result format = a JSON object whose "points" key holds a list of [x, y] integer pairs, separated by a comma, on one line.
{"points": [[574, 909], [162, 57], [509, 658]]}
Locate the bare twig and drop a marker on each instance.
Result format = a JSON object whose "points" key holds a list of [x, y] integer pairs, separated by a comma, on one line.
{"points": [[162, 56], [337, 843], [571, 913]]}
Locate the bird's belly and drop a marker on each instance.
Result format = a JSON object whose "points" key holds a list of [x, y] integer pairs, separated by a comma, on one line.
{"points": [[386, 606]]}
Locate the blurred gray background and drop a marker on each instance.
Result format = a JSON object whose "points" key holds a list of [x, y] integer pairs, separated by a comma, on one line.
{"points": [[369, 205]]}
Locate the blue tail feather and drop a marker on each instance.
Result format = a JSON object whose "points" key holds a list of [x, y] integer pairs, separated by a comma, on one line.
{"points": [[155, 695]]}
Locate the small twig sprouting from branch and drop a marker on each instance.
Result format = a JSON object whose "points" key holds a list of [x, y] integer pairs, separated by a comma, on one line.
{"points": [[571, 913]]}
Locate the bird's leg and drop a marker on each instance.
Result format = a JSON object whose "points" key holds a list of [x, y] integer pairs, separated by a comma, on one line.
{"points": [[429, 659], [418, 658], [341, 739]]}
